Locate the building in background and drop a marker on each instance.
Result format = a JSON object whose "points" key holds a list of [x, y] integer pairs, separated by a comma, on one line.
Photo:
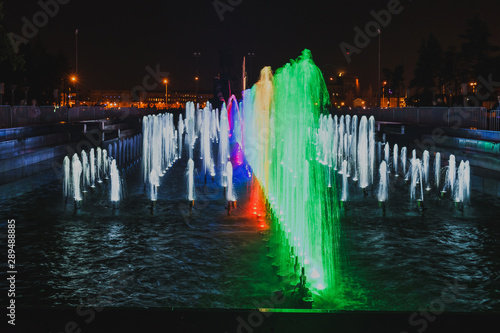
{"points": [[151, 99]]}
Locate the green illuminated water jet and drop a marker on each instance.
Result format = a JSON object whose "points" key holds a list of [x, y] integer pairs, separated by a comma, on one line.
{"points": [[280, 117]]}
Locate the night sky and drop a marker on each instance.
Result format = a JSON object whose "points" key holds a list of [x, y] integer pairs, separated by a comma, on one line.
{"points": [[118, 39]]}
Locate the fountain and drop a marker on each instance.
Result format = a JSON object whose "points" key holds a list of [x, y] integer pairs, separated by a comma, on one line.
{"points": [[230, 196], [154, 183], [416, 187], [85, 171], [115, 184], [76, 169], [223, 147], [383, 188], [364, 159], [92, 168], [437, 170], [425, 170], [293, 172], [403, 163], [345, 184], [99, 164], [395, 159]]}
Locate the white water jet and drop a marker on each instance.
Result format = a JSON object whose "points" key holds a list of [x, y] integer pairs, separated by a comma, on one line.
{"points": [[76, 169], [371, 149], [115, 182], [105, 164], [190, 180], [354, 147], [395, 159], [387, 154], [363, 156], [154, 183], [416, 187], [450, 176], [223, 147], [383, 188], [403, 162], [425, 170], [85, 171], [99, 164], [345, 184], [92, 167], [231, 195], [66, 177], [437, 170]]}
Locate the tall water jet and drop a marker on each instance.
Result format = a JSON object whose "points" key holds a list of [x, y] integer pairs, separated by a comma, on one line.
{"points": [[354, 147], [416, 187], [115, 183], [154, 183], [425, 170], [231, 195], [190, 181], [363, 154], [305, 215], [403, 163], [92, 168], [98, 164], [223, 147], [345, 184], [387, 154], [371, 148], [105, 164], [450, 176], [206, 145], [85, 171], [395, 159], [66, 178], [437, 170], [383, 188], [76, 169], [180, 132]]}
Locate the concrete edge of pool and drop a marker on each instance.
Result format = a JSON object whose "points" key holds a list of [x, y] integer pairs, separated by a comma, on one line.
{"points": [[94, 319]]}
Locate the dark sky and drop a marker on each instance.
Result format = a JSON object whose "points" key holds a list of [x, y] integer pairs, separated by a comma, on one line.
{"points": [[118, 39]]}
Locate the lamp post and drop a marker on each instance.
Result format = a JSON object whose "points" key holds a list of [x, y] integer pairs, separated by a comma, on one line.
{"points": [[166, 93], [76, 61], [378, 90]]}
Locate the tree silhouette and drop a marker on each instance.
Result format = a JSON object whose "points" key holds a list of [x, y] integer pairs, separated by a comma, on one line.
{"points": [[427, 75]]}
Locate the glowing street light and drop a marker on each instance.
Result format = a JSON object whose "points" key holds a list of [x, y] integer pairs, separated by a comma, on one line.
{"points": [[166, 93]]}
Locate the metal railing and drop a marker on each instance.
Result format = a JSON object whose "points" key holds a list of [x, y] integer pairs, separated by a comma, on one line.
{"points": [[457, 117], [19, 116]]}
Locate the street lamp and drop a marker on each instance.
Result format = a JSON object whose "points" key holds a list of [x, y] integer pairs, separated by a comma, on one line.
{"points": [[378, 90], [166, 93]]}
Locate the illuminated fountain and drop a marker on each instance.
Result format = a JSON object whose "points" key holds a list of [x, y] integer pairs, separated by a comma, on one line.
{"points": [[299, 231], [403, 163], [395, 159], [154, 183], [383, 188], [437, 170], [230, 195], [364, 159], [115, 184], [92, 168], [425, 170]]}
